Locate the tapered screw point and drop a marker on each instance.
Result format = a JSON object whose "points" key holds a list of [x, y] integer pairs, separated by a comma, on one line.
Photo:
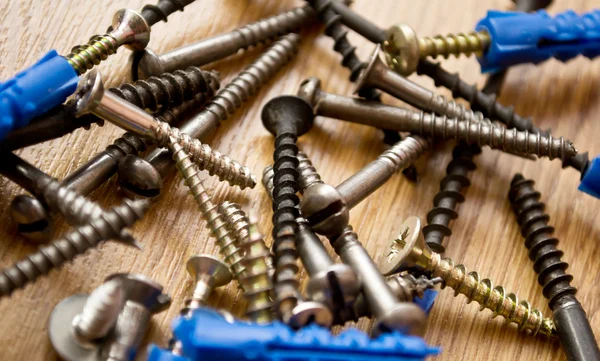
{"points": [[287, 111], [210, 266], [516, 179]]}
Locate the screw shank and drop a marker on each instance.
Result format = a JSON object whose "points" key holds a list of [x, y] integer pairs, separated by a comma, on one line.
{"points": [[575, 333], [313, 254], [357, 23], [125, 115]]}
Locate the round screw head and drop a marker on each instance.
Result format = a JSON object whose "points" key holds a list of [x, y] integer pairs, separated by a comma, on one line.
{"points": [[311, 312], [143, 290], [90, 91], [287, 113], [62, 335], [309, 90], [32, 218], [139, 178], [407, 251], [131, 29], [146, 64], [207, 265], [406, 317], [325, 209], [337, 281], [402, 49]]}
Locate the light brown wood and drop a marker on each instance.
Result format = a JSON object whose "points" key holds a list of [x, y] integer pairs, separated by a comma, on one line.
{"points": [[486, 237]]}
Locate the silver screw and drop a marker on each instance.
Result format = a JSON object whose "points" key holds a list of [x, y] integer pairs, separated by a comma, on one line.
{"points": [[206, 51], [91, 98], [227, 100]]}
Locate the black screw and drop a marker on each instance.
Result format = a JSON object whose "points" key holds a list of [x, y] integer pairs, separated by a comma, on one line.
{"points": [[155, 13], [572, 325]]}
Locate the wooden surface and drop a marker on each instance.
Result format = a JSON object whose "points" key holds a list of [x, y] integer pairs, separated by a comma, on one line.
{"points": [[486, 237]]}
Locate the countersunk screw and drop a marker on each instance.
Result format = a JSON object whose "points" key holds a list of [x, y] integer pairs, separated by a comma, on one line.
{"points": [[227, 100], [288, 117], [409, 251], [129, 28], [572, 325], [91, 97], [404, 48], [107, 226]]}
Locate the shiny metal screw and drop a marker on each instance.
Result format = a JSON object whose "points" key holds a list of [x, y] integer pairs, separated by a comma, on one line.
{"points": [[79, 324], [107, 226], [91, 97], [404, 48], [129, 29], [147, 63], [429, 125], [409, 251], [227, 100]]}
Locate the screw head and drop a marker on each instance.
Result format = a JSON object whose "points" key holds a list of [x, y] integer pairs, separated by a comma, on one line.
{"points": [[408, 250], [325, 209], [405, 317], [287, 113], [338, 280], [130, 29], [138, 178], [32, 218], [310, 312], [62, 336], [368, 74], [207, 265], [309, 90], [90, 91], [145, 64], [142, 290], [402, 49]]}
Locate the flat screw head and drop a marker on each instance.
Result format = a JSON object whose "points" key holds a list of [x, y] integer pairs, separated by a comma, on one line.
{"points": [[408, 250], [131, 29], [325, 209], [142, 290], [287, 113], [146, 64], [89, 93], [368, 74], [402, 49], [309, 90], [311, 312], [406, 317], [206, 265], [32, 217], [138, 178]]}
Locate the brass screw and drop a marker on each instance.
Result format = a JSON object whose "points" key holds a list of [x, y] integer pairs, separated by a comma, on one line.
{"points": [[409, 251], [404, 48]]}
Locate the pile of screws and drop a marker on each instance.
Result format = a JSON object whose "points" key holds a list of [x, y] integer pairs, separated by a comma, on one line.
{"points": [[175, 106]]}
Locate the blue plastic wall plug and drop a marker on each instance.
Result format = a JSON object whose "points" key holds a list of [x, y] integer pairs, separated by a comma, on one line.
{"points": [[518, 37], [206, 335], [35, 90], [590, 181]]}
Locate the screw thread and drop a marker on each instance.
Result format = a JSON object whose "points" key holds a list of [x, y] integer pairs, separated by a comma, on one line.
{"points": [[267, 180], [84, 57], [205, 157], [403, 153], [489, 297], [100, 311], [216, 222], [547, 263], [450, 194], [285, 227], [237, 221], [454, 44], [107, 226], [256, 280], [508, 140], [155, 13], [307, 173]]}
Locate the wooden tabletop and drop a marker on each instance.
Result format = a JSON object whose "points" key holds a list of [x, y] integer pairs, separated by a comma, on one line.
{"points": [[485, 236]]}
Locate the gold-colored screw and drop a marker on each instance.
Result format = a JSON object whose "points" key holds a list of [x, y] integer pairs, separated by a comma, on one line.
{"points": [[409, 251], [404, 48]]}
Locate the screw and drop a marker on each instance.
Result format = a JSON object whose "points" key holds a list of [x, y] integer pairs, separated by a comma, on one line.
{"points": [[129, 29], [32, 218], [327, 208], [78, 241], [80, 323], [206, 51], [430, 125], [287, 118], [335, 285], [404, 48], [91, 98], [409, 251], [154, 13], [144, 298], [572, 325], [447, 199], [227, 100], [531, 5]]}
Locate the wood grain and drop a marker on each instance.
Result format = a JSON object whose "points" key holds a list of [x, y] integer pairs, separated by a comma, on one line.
{"points": [[486, 237]]}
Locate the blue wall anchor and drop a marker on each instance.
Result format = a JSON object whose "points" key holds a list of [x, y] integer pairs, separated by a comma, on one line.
{"points": [[35, 90], [590, 179], [518, 37], [206, 335]]}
